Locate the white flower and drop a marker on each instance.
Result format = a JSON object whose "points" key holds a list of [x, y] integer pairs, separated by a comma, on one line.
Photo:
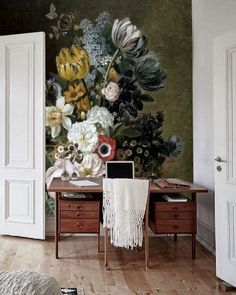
{"points": [[100, 115], [60, 149], [91, 166], [57, 116], [85, 134], [128, 38], [111, 91]]}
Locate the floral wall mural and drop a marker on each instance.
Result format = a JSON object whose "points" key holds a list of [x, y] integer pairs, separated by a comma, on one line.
{"points": [[118, 83]]}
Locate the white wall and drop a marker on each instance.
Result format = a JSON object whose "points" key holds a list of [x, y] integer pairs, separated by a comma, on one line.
{"points": [[210, 18]]}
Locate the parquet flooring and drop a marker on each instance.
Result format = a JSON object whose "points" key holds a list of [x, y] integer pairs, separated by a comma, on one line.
{"points": [[172, 271]]}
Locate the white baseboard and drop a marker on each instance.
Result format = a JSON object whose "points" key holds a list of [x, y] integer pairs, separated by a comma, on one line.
{"points": [[206, 236]]}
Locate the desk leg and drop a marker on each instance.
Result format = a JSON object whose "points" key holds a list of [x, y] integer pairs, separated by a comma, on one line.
{"points": [[56, 224], [194, 199], [193, 246]]}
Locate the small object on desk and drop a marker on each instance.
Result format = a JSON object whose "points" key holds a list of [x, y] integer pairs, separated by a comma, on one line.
{"points": [[175, 198], [152, 177], [65, 176], [74, 176], [84, 183], [170, 183]]}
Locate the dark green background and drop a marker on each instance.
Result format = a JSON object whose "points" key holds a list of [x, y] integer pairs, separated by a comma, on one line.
{"points": [[167, 23]]}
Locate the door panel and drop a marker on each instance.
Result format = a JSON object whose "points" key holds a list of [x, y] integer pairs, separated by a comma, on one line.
{"points": [[22, 145], [225, 155], [19, 112]]}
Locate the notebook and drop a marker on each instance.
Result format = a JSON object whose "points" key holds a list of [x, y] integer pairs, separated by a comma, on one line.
{"points": [[84, 183]]}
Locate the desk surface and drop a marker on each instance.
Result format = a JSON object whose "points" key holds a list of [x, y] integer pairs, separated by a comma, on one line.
{"points": [[57, 185]]}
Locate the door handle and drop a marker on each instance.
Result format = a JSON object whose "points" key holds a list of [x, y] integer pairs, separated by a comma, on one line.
{"points": [[219, 159]]}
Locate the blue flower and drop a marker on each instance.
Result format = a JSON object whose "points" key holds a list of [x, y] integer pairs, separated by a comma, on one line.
{"points": [[149, 73], [93, 42]]}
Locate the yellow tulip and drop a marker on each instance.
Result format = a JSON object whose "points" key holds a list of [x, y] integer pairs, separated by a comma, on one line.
{"points": [[113, 75], [72, 63]]}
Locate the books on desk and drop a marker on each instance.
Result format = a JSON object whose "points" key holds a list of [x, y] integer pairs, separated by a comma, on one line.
{"points": [[77, 196], [171, 183], [175, 198]]}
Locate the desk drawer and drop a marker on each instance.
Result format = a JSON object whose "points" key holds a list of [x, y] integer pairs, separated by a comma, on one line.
{"points": [[81, 206], [174, 215], [75, 214], [79, 226], [175, 226], [169, 206]]}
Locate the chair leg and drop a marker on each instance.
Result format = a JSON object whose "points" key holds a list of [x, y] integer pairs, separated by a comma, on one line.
{"points": [[98, 242], [106, 248], [146, 241]]}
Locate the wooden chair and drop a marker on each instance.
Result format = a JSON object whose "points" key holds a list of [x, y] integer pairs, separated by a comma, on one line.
{"points": [[145, 234]]}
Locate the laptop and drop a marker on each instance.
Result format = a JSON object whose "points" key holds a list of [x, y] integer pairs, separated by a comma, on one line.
{"points": [[120, 169]]}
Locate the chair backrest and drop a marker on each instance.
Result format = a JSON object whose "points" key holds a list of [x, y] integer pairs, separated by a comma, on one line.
{"points": [[125, 202]]}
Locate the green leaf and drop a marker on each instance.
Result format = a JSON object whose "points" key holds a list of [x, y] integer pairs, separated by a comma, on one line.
{"points": [[120, 139], [130, 131], [56, 32], [101, 70], [49, 205], [52, 13], [136, 94], [49, 161], [117, 128], [146, 98], [124, 66], [76, 40]]}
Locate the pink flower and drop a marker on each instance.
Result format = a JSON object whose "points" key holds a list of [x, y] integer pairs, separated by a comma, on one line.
{"points": [[106, 147], [111, 91]]}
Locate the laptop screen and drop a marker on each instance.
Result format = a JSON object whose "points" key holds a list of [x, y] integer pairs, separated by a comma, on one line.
{"points": [[120, 169]]}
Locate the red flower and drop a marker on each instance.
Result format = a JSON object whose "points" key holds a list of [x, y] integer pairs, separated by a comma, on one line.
{"points": [[106, 147]]}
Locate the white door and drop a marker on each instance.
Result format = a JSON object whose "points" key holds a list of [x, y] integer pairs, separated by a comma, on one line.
{"points": [[224, 62], [22, 142]]}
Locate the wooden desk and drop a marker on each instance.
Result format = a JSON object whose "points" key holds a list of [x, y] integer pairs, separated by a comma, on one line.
{"points": [[167, 217]]}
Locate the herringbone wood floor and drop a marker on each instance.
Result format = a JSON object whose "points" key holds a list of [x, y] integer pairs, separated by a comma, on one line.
{"points": [[172, 270]]}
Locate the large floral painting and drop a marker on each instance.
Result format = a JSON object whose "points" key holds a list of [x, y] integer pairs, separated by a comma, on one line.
{"points": [[95, 101]]}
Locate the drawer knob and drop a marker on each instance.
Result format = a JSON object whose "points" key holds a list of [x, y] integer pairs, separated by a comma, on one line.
{"points": [[78, 214], [78, 207], [79, 225]]}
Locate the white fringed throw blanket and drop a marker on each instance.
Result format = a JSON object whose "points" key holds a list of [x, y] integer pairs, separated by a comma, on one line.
{"points": [[124, 204]]}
